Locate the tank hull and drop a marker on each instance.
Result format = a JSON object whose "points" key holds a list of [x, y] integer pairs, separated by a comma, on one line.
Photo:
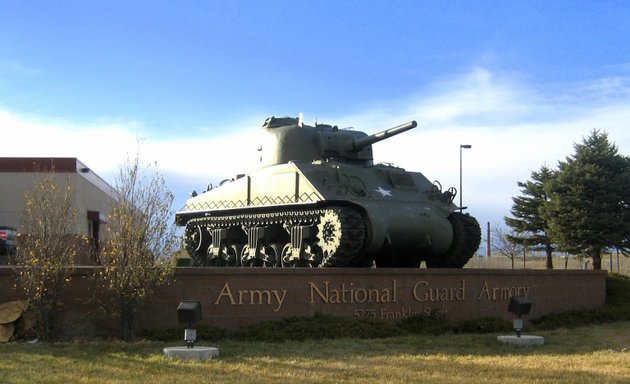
{"points": [[324, 213]]}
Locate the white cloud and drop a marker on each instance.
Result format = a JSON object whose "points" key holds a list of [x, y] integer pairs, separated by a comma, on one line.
{"points": [[101, 146], [513, 128], [524, 131]]}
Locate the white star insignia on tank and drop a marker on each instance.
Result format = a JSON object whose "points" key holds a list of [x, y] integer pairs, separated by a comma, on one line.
{"points": [[384, 192]]}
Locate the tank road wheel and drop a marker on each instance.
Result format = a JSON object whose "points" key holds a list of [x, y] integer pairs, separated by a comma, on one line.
{"points": [[196, 241], [285, 257], [466, 239], [287, 261], [230, 257], [248, 261], [269, 256], [340, 236], [233, 256], [312, 257]]}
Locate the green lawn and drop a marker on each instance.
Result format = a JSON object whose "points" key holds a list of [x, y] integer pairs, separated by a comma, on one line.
{"points": [[593, 354]]}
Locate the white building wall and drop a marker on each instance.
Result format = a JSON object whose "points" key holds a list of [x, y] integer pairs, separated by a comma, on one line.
{"points": [[93, 198]]}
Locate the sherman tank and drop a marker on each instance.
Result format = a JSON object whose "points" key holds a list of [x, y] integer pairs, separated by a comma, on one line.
{"points": [[318, 200]]}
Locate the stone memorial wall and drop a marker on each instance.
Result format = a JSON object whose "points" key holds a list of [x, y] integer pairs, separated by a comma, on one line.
{"points": [[232, 297]]}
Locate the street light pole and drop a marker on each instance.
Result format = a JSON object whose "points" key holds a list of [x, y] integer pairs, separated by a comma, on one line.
{"points": [[462, 146]]}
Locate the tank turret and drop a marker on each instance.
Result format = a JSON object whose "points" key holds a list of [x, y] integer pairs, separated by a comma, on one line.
{"points": [[318, 200], [288, 139]]}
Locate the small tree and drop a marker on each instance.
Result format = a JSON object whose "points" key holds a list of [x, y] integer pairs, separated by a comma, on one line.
{"points": [[502, 242], [47, 247], [141, 237], [529, 222]]}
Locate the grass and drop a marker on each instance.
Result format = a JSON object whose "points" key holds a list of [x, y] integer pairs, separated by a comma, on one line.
{"points": [[581, 355], [591, 346]]}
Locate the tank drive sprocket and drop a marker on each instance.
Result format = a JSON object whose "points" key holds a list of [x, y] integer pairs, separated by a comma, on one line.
{"points": [[340, 235]]}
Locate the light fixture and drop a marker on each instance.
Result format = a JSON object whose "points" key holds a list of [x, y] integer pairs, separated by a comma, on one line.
{"points": [[519, 305], [189, 312]]}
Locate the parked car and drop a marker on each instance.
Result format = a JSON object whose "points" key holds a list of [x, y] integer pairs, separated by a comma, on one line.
{"points": [[8, 240]]}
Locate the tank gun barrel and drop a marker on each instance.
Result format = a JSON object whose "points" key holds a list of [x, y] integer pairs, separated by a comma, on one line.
{"points": [[363, 142]]}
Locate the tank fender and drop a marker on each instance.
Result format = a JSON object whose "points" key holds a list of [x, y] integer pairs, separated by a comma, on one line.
{"points": [[407, 228]]}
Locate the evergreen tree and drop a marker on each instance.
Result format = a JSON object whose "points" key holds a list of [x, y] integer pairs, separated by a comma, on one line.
{"points": [[588, 211], [529, 225]]}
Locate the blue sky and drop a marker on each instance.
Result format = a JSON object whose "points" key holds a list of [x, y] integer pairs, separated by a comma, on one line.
{"points": [[519, 81]]}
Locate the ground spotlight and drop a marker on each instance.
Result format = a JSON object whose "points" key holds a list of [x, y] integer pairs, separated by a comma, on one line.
{"points": [[189, 313], [519, 305]]}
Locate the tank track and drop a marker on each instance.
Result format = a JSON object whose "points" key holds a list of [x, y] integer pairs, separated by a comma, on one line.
{"points": [[466, 239], [326, 237]]}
